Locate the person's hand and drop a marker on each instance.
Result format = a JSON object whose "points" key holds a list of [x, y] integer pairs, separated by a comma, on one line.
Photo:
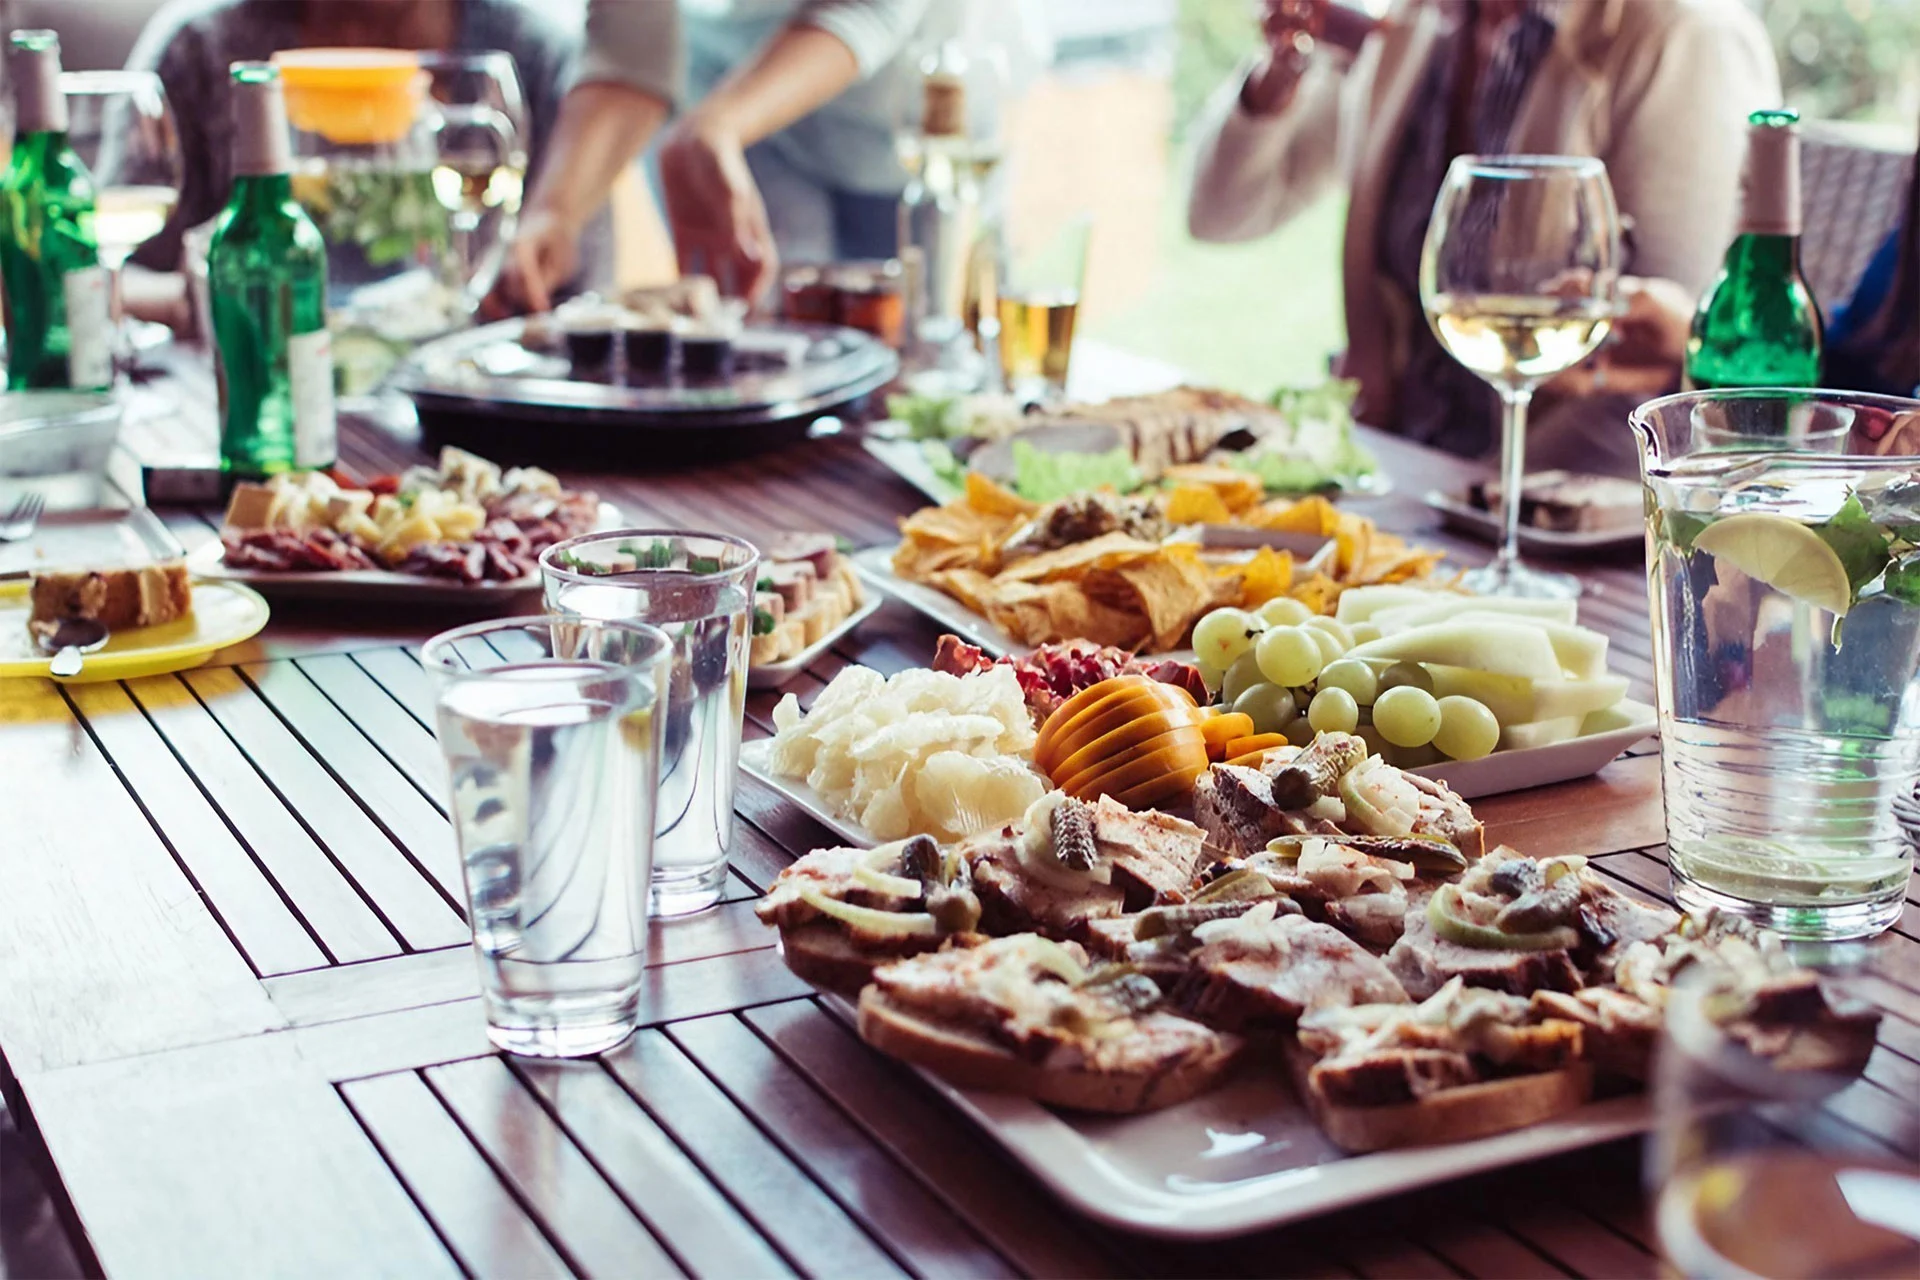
{"points": [[1646, 349], [1292, 29], [714, 209], [544, 254]]}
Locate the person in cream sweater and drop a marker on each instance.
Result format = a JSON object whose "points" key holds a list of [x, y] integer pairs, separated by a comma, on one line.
{"points": [[1658, 89]]}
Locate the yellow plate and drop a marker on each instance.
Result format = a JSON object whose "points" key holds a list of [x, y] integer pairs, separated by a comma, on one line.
{"points": [[224, 613]]}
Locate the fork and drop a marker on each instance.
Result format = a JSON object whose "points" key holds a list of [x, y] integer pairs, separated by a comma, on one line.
{"points": [[17, 524]]}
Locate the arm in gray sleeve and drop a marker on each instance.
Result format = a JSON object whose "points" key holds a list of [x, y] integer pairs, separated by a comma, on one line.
{"points": [[874, 30], [634, 43], [1253, 172]]}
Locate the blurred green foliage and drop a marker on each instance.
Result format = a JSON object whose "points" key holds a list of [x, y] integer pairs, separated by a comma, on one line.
{"points": [[1211, 37], [1847, 59]]}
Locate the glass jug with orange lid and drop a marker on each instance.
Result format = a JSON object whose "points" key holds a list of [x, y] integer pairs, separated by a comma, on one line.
{"points": [[365, 146]]}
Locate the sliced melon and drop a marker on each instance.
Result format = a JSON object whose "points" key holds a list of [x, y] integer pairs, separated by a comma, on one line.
{"points": [[1514, 700], [1541, 733], [1428, 612], [1505, 648], [1360, 604], [1581, 651]]}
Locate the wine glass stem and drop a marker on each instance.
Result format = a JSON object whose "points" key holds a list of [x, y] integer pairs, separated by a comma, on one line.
{"points": [[1513, 470]]}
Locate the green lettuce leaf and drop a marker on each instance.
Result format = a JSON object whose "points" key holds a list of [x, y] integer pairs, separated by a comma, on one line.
{"points": [[927, 417], [1049, 477]]}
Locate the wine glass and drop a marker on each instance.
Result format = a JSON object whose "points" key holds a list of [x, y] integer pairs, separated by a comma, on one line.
{"points": [[480, 172], [121, 127], [1519, 277]]}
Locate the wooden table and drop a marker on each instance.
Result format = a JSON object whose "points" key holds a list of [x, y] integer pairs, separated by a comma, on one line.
{"points": [[241, 1015]]}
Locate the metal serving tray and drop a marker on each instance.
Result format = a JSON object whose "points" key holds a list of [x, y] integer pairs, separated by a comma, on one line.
{"points": [[781, 372]]}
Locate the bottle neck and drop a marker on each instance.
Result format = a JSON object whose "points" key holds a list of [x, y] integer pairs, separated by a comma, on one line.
{"points": [[1755, 253], [260, 193]]}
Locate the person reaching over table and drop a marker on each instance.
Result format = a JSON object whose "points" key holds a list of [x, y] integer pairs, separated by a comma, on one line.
{"points": [[191, 43], [786, 146], [1658, 89]]}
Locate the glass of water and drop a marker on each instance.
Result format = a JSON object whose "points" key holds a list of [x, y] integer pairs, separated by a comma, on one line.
{"points": [[1783, 557], [551, 729], [698, 589], [1782, 1165]]}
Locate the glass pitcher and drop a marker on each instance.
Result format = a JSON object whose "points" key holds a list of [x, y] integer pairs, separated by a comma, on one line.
{"points": [[1783, 556], [365, 145]]}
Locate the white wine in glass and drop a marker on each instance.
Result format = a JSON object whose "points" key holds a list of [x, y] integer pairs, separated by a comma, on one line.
{"points": [[1519, 277]]}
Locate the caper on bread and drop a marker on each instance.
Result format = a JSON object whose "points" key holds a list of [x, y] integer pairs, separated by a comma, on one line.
{"points": [[1026, 1015], [840, 912]]}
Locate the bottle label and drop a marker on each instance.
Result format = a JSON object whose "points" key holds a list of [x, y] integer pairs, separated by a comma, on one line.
{"points": [[88, 295], [310, 386]]}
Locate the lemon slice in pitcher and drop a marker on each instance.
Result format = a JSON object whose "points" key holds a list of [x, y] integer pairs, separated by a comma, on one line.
{"points": [[1785, 554]]}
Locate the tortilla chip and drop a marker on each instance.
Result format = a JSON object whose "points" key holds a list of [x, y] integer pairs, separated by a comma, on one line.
{"points": [[1197, 504], [969, 586], [1172, 590], [1077, 558], [990, 498], [1351, 541], [1268, 574], [1237, 489], [1313, 515], [1319, 593]]}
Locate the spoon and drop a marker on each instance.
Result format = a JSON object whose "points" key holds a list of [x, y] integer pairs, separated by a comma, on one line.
{"points": [[70, 638]]}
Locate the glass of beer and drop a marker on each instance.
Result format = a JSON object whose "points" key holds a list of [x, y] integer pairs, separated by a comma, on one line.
{"points": [[1037, 297], [1772, 1158]]}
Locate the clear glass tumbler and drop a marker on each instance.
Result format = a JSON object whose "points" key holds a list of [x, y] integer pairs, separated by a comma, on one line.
{"points": [[552, 729], [1761, 1167], [698, 589], [1783, 558]]}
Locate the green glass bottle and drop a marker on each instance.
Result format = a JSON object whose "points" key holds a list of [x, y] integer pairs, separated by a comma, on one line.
{"points": [[1758, 325], [267, 282], [58, 300]]}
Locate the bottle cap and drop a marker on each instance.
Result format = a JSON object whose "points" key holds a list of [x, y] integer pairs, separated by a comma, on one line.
{"points": [[33, 63], [1770, 179], [260, 143]]}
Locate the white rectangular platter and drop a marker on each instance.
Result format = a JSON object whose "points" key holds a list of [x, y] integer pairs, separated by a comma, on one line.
{"points": [[1241, 1158], [775, 674], [370, 584], [1458, 513], [875, 567]]}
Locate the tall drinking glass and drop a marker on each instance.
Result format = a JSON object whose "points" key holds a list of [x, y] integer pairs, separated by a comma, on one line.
{"points": [[698, 589], [1519, 276], [1036, 303], [551, 728], [1762, 1168], [1783, 556]]}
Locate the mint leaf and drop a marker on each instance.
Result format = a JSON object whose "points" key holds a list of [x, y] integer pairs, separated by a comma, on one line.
{"points": [[1857, 540], [1682, 529], [1902, 580]]}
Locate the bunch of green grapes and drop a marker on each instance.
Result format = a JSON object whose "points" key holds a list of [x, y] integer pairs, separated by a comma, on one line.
{"points": [[1287, 669]]}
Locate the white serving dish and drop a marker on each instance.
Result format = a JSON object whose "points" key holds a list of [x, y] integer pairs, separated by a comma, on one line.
{"points": [[1456, 512], [775, 674], [875, 567], [369, 584], [1241, 1158]]}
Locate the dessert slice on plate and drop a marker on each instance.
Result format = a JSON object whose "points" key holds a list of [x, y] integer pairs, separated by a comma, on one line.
{"points": [[117, 599]]}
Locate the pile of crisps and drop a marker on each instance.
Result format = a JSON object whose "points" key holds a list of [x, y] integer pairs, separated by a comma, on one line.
{"points": [[1120, 590]]}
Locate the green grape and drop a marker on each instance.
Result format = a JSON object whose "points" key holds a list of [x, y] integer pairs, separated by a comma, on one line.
{"points": [[1284, 611], [1240, 677], [1335, 628], [1224, 635], [1408, 674], [1364, 632], [1211, 674], [1269, 706], [1376, 745], [1300, 732], [1333, 710], [1468, 729], [1327, 643], [1289, 656], [1353, 675], [1406, 716]]}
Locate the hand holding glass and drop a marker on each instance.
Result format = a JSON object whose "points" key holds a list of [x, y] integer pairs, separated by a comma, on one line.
{"points": [[1519, 277]]}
